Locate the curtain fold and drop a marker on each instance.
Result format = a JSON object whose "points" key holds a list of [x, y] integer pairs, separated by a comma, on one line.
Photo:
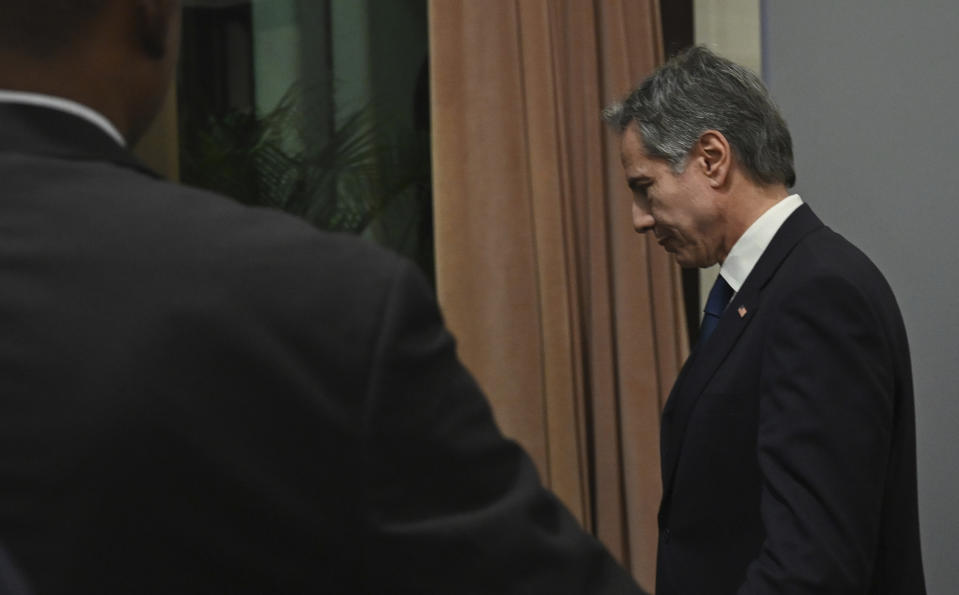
{"points": [[571, 322]]}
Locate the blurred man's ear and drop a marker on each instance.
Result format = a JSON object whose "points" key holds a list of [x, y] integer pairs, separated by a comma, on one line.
{"points": [[154, 20]]}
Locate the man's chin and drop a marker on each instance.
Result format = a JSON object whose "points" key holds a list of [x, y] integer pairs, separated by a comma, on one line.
{"points": [[690, 262], [683, 256]]}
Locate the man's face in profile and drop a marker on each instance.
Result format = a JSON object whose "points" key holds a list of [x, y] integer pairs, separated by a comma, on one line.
{"points": [[677, 207]]}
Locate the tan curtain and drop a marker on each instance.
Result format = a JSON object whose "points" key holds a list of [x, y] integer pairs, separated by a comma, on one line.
{"points": [[570, 321]]}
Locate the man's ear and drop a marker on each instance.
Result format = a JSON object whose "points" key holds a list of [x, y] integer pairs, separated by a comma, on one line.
{"points": [[714, 156], [154, 23]]}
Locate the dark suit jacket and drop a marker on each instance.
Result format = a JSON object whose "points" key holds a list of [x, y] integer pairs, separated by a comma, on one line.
{"points": [[11, 583], [199, 397], [788, 442]]}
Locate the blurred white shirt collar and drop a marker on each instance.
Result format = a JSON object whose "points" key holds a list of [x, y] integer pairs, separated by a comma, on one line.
{"points": [[64, 105]]}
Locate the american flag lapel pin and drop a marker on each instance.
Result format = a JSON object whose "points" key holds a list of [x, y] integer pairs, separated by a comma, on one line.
{"points": [[742, 311]]}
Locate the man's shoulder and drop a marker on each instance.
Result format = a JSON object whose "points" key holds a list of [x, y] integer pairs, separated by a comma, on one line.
{"points": [[825, 262], [205, 227], [824, 252], [133, 226], [195, 255]]}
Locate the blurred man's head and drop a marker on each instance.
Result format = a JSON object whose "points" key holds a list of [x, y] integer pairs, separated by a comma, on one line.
{"points": [[116, 56]]}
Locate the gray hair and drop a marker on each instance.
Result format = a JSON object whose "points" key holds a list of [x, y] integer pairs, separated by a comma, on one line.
{"points": [[696, 91]]}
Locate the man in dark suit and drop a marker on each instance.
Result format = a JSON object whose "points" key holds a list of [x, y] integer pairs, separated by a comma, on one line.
{"points": [[198, 397], [788, 441]]}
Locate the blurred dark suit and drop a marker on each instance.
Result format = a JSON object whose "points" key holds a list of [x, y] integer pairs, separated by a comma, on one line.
{"points": [[198, 397]]}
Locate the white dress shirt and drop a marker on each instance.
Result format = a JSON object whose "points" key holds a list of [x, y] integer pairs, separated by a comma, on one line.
{"points": [[64, 105], [750, 246]]}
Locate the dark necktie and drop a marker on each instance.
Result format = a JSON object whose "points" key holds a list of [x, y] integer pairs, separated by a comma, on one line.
{"points": [[719, 296]]}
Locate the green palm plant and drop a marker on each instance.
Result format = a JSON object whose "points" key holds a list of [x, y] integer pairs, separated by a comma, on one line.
{"points": [[369, 176]]}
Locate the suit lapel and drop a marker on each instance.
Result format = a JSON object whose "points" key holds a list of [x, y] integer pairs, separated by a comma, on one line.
{"points": [[44, 131], [703, 363]]}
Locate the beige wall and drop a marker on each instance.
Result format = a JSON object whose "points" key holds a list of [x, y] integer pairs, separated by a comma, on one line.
{"points": [[730, 28]]}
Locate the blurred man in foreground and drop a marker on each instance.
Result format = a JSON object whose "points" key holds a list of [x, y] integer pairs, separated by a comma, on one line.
{"points": [[197, 397]]}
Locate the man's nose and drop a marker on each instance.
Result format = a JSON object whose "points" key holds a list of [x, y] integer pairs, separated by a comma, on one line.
{"points": [[642, 220]]}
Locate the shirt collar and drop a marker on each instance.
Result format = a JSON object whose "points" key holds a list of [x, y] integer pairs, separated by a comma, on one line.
{"points": [[64, 105], [750, 246]]}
